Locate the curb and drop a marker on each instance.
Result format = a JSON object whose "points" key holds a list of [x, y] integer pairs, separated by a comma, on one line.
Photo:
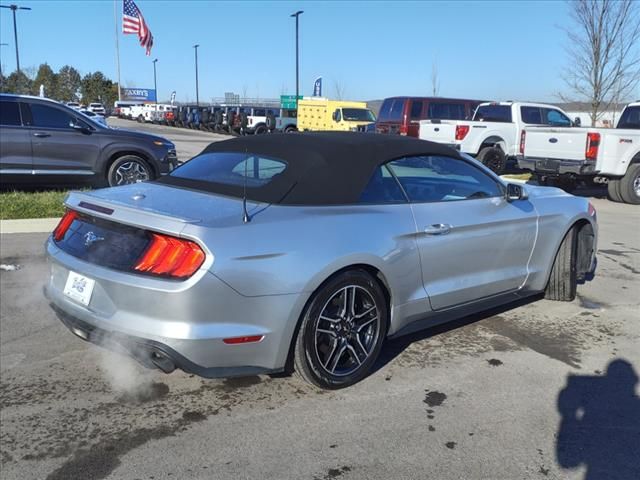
{"points": [[28, 225]]}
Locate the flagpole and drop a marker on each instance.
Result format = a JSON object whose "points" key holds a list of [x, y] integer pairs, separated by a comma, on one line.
{"points": [[115, 18]]}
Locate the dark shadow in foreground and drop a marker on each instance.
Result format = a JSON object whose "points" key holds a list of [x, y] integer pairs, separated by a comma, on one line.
{"points": [[600, 424]]}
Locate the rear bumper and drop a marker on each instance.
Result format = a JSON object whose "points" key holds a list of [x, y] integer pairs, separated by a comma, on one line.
{"points": [[149, 353], [168, 324], [546, 166]]}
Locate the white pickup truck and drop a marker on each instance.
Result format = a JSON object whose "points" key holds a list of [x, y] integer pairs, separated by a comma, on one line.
{"points": [[493, 135], [601, 155]]}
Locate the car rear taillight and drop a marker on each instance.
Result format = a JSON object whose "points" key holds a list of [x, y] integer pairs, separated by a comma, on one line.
{"points": [[65, 223], [592, 210], [171, 257], [461, 131], [404, 129], [593, 143], [523, 137]]}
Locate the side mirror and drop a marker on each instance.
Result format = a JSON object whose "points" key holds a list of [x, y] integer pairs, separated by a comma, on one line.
{"points": [[515, 192], [334, 116], [577, 122], [79, 127]]}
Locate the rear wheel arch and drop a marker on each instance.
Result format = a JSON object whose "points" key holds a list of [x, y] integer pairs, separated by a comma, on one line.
{"points": [[494, 141], [309, 351], [374, 272]]}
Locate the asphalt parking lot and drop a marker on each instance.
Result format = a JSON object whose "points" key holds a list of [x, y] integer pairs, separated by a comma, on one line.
{"points": [[188, 142], [477, 399]]}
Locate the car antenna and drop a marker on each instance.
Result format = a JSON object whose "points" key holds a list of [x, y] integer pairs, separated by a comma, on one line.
{"points": [[245, 215]]}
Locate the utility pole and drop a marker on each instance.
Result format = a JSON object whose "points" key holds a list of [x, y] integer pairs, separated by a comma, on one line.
{"points": [[195, 47], [155, 83], [296, 15], [15, 29]]}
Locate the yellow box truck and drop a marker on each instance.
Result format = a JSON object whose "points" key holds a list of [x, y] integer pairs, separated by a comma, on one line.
{"points": [[318, 113]]}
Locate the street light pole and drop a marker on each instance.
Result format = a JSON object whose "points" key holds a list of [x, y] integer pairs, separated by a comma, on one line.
{"points": [[195, 47], [155, 83], [15, 29], [296, 15]]}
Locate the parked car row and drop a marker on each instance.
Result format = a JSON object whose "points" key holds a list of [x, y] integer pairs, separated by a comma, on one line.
{"points": [[232, 119]]}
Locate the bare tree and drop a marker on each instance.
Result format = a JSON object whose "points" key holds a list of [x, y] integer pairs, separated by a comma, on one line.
{"points": [[435, 79], [604, 48], [339, 88]]}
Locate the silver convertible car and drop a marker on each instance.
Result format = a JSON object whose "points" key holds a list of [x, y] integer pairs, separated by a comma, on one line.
{"points": [[305, 252]]}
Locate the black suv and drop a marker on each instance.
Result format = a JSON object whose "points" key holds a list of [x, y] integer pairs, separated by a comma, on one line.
{"points": [[44, 141]]}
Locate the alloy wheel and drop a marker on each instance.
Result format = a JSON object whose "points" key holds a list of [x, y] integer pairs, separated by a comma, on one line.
{"points": [[346, 330], [131, 172]]}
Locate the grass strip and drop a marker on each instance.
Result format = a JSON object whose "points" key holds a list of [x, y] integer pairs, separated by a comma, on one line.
{"points": [[39, 204]]}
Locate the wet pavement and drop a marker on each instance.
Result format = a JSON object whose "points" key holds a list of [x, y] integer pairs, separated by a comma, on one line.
{"points": [[538, 390]]}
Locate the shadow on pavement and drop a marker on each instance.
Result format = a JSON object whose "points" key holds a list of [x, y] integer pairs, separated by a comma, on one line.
{"points": [[392, 348], [600, 424]]}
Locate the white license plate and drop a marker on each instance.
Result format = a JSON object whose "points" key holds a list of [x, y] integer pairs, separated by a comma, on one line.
{"points": [[79, 287]]}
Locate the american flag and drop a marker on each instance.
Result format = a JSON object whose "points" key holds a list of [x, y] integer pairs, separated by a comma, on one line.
{"points": [[133, 22]]}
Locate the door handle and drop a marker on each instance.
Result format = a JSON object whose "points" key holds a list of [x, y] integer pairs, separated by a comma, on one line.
{"points": [[41, 134], [437, 229]]}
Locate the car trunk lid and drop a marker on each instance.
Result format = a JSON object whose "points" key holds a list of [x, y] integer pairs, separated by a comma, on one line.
{"points": [[162, 208]]}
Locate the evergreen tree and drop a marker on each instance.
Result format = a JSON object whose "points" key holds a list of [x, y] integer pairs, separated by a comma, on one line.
{"points": [[68, 85], [18, 83], [48, 79]]}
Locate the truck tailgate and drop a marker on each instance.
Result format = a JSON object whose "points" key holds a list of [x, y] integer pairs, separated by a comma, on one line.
{"points": [[555, 143], [440, 132]]}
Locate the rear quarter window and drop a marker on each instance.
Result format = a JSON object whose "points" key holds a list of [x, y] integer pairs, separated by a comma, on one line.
{"points": [[231, 169], [9, 114], [392, 109], [493, 113], [531, 115], [630, 118], [446, 111]]}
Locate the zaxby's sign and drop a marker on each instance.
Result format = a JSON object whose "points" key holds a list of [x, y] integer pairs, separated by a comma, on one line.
{"points": [[142, 94]]}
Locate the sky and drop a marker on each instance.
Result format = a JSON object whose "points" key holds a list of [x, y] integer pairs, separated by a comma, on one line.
{"points": [[499, 50]]}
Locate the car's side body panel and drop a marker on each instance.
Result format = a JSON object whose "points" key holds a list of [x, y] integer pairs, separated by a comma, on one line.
{"points": [[484, 252]]}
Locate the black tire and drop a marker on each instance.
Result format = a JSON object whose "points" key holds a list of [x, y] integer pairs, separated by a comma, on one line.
{"points": [[290, 129], [613, 189], [116, 175], [630, 185], [244, 121], [563, 281], [260, 130], [231, 118], [271, 122], [341, 339], [140, 119], [493, 158]]}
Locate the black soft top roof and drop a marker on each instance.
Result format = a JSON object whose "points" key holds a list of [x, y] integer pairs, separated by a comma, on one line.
{"points": [[323, 168]]}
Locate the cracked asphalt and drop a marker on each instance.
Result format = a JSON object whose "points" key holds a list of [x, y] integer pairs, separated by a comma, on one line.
{"points": [[538, 390]]}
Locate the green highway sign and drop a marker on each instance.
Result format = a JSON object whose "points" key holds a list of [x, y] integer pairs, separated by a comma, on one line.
{"points": [[289, 101]]}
